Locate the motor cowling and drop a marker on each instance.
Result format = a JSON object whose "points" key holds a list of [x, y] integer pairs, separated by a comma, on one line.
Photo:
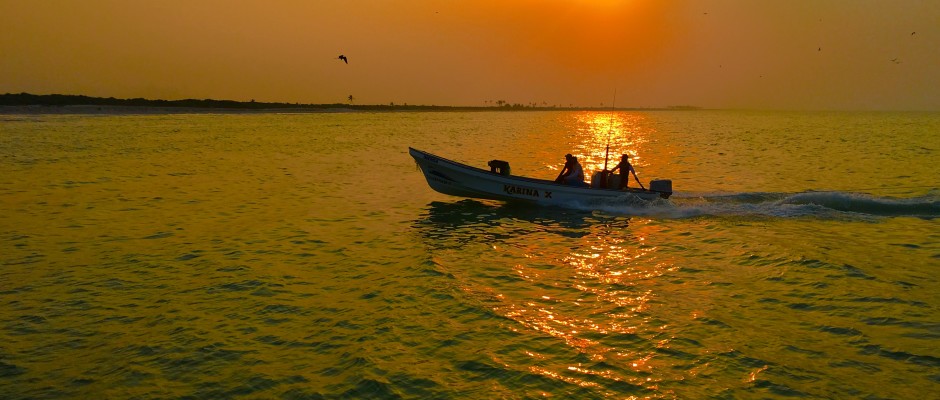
{"points": [[661, 185]]}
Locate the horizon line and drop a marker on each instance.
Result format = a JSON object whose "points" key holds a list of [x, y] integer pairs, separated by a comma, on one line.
{"points": [[57, 99], [24, 99]]}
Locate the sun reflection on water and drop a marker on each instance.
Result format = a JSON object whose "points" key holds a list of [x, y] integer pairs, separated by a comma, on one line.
{"points": [[596, 298], [626, 133], [589, 282]]}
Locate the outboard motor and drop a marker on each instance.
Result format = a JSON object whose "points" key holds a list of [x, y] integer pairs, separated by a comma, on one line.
{"points": [[663, 186], [499, 167]]}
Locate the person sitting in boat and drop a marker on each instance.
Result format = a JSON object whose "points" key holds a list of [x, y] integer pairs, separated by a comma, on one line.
{"points": [[571, 173], [625, 169]]}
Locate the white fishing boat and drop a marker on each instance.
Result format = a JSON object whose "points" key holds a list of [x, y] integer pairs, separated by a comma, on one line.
{"points": [[456, 179]]}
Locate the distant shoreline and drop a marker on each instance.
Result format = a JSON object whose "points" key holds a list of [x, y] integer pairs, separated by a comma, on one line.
{"points": [[145, 110], [25, 103]]}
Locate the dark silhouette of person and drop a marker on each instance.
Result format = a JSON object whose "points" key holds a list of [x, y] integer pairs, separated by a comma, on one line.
{"points": [[625, 169], [571, 173]]}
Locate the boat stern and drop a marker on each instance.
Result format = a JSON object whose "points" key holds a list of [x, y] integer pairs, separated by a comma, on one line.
{"points": [[661, 186]]}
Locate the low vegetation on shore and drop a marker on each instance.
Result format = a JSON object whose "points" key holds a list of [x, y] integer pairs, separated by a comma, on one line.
{"points": [[63, 100]]}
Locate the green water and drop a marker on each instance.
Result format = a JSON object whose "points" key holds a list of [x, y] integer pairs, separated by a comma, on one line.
{"points": [[304, 256]]}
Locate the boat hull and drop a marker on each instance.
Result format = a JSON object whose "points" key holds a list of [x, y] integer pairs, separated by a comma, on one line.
{"points": [[456, 179]]}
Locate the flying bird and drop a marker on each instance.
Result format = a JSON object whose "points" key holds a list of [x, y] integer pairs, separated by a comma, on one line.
{"points": [[912, 33], [342, 57], [895, 60]]}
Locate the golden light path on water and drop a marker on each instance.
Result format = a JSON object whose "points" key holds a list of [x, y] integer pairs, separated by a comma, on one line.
{"points": [[625, 133], [601, 264], [607, 278]]}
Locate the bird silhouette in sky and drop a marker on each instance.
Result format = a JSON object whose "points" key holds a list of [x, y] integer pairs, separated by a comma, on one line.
{"points": [[895, 60], [342, 57]]}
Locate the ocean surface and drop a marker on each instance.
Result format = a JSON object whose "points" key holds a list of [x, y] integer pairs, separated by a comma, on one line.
{"points": [[303, 256]]}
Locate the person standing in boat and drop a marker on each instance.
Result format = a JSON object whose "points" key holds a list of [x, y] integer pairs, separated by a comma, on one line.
{"points": [[571, 173], [625, 169]]}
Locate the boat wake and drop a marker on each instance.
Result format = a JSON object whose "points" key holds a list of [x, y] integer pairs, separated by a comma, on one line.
{"points": [[830, 205]]}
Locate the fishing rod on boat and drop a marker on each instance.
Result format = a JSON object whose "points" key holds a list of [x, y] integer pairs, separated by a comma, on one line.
{"points": [[610, 129]]}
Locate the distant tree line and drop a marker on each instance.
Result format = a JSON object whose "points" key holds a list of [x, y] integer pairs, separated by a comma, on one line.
{"points": [[59, 100], [26, 99]]}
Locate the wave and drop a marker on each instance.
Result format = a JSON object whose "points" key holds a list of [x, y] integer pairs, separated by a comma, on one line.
{"points": [[832, 205]]}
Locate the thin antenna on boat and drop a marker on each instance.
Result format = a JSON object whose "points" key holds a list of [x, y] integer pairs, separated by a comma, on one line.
{"points": [[610, 128]]}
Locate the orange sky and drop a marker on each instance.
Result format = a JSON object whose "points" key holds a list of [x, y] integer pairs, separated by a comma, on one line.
{"points": [[801, 54]]}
